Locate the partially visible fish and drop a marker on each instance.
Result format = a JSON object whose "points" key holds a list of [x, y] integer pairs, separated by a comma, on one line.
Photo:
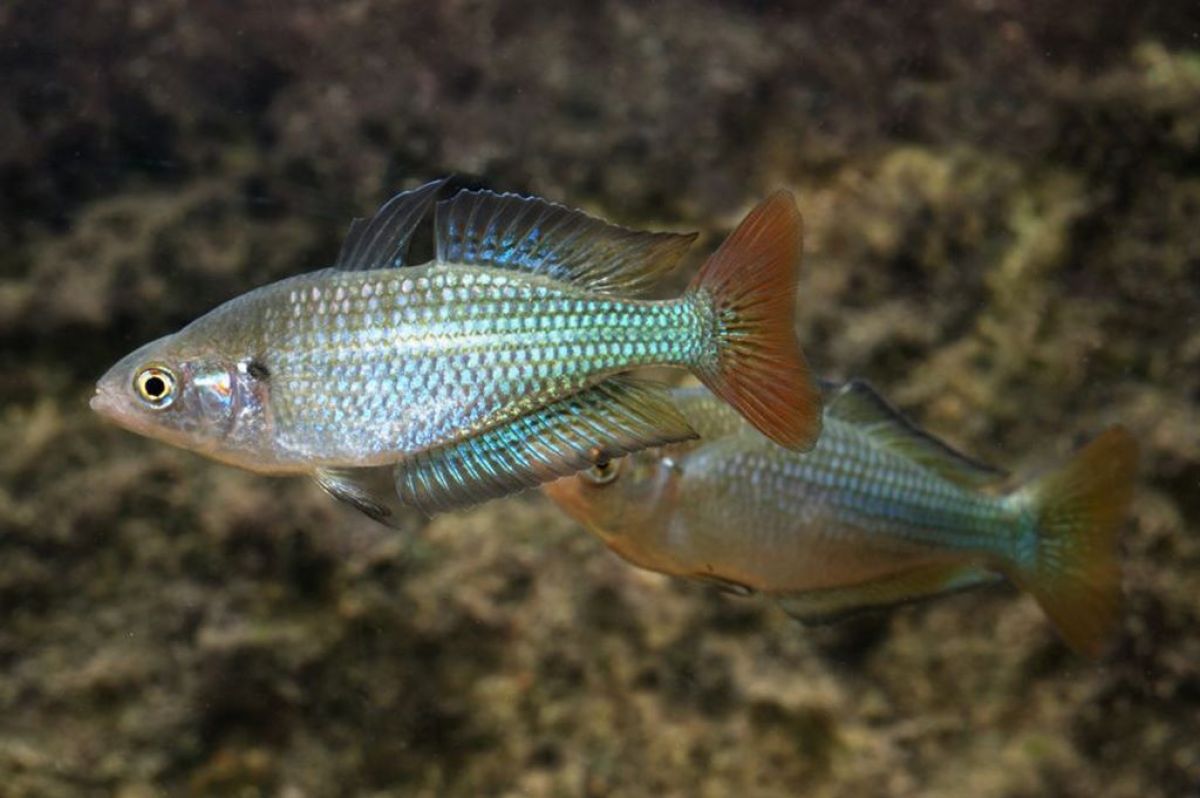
{"points": [[878, 513], [489, 369]]}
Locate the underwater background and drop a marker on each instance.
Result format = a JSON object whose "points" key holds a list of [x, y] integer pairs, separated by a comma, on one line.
{"points": [[1002, 201]]}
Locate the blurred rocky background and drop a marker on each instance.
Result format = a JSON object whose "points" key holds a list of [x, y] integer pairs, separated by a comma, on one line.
{"points": [[1003, 208]]}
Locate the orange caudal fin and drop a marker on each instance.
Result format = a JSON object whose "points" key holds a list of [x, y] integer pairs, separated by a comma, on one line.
{"points": [[749, 284], [1074, 574]]}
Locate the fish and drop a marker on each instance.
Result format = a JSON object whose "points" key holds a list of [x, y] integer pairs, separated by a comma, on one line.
{"points": [[497, 365], [879, 513]]}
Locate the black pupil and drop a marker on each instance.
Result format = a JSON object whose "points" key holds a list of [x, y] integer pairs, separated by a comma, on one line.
{"points": [[155, 387]]}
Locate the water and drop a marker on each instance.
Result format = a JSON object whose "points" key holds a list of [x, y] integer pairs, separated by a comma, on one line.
{"points": [[1003, 212]]}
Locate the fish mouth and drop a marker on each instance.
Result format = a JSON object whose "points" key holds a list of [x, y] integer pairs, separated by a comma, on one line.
{"points": [[112, 407], [102, 403]]}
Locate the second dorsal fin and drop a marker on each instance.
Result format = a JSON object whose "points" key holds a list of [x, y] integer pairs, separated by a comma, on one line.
{"points": [[858, 403], [509, 231], [381, 241]]}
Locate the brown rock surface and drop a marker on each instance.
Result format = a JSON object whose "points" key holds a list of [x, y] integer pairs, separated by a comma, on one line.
{"points": [[1003, 205]]}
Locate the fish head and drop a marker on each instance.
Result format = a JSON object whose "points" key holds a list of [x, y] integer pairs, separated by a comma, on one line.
{"points": [[190, 396], [628, 496]]}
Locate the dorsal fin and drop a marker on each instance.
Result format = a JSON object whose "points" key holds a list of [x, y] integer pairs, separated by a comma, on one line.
{"points": [[381, 241], [858, 403], [509, 231]]}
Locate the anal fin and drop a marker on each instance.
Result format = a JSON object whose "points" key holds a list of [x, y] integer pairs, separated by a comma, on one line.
{"points": [[834, 604], [614, 418]]}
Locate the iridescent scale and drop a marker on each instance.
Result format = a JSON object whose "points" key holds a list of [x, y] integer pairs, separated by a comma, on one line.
{"points": [[368, 366], [849, 509], [848, 484]]}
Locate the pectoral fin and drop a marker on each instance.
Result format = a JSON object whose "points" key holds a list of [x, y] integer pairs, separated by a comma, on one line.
{"points": [[727, 586], [609, 420], [833, 604]]}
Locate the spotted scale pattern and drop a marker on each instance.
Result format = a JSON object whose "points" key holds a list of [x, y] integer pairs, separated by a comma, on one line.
{"points": [[369, 366]]}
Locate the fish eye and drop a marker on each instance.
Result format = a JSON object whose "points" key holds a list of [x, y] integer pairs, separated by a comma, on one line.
{"points": [[155, 386], [603, 472]]}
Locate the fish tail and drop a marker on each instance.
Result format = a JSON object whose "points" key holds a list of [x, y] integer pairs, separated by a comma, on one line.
{"points": [[755, 363], [1074, 574]]}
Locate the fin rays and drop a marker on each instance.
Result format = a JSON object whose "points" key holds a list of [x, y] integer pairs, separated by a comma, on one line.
{"points": [[748, 286], [1075, 576], [529, 234], [614, 418], [858, 403], [381, 241]]}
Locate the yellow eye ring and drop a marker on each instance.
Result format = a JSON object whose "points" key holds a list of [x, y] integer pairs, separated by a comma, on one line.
{"points": [[155, 386]]}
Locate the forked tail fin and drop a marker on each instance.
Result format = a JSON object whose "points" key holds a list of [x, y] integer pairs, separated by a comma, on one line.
{"points": [[750, 285], [1075, 576]]}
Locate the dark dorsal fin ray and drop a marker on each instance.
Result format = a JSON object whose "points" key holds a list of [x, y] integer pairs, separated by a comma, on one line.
{"points": [[382, 241], [614, 418], [858, 403], [529, 234], [916, 584]]}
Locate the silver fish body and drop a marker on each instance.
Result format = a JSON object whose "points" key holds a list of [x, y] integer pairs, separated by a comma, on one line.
{"points": [[367, 367], [497, 362], [877, 513], [849, 512]]}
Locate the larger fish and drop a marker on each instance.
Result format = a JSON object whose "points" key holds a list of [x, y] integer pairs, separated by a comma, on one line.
{"points": [[878, 513], [488, 369]]}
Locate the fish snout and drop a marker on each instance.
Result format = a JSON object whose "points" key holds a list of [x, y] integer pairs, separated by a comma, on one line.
{"points": [[109, 401], [103, 402]]}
